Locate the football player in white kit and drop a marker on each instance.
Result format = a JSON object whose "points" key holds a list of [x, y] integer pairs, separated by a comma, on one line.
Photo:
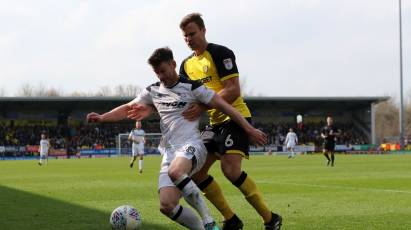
{"points": [[44, 149], [137, 148], [181, 146], [291, 140]]}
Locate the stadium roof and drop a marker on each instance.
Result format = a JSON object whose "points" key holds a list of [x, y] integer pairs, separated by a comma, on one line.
{"points": [[363, 99], [252, 98], [87, 103]]}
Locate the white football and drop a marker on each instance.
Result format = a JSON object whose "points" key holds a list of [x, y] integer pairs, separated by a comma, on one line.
{"points": [[125, 217]]}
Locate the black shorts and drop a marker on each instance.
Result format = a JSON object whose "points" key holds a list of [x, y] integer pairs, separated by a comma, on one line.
{"points": [[329, 146], [227, 138]]}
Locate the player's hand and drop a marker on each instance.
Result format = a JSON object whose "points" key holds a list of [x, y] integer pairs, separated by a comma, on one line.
{"points": [[94, 117], [194, 111], [139, 111], [257, 137]]}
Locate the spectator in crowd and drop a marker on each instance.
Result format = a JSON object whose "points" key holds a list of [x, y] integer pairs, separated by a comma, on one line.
{"points": [[85, 136]]}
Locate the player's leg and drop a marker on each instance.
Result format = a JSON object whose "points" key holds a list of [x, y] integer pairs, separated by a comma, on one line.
{"points": [[292, 151], [231, 167], [178, 171], [133, 155], [169, 197], [47, 158], [132, 159], [325, 152], [235, 146], [140, 161], [289, 151], [210, 188], [41, 159], [213, 192]]}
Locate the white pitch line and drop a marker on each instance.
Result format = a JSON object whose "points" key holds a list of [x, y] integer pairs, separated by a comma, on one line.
{"points": [[336, 187]]}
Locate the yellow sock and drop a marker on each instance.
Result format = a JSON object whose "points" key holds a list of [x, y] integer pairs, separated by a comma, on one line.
{"points": [[254, 197], [212, 191]]}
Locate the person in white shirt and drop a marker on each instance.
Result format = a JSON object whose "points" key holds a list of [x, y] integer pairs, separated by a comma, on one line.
{"points": [[181, 146], [291, 140], [137, 148], [44, 149]]}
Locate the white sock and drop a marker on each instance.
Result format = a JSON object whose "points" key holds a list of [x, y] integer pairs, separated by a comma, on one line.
{"points": [[140, 164], [186, 217], [192, 196]]}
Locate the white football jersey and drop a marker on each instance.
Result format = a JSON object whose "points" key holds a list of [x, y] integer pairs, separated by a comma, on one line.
{"points": [[170, 103], [291, 139], [44, 146], [137, 136]]}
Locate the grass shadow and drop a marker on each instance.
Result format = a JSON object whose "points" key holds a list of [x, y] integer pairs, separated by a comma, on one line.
{"points": [[24, 210]]}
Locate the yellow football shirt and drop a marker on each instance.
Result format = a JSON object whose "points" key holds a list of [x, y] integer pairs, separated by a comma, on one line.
{"points": [[212, 67]]}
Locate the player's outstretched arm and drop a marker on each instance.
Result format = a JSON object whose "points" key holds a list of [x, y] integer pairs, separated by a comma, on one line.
{"points": [[140, 111], [257, 137], [116, 114]]}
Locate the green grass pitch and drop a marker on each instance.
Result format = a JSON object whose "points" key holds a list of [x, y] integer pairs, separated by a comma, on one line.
{"points": [[361, 192]]}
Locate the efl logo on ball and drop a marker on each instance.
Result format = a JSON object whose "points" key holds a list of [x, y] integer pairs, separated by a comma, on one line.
{"points": [[125, 217]]}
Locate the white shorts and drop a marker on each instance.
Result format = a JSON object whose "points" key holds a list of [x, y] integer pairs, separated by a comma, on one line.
{"points": [[194, 150], [290, 146], [137, 149]]}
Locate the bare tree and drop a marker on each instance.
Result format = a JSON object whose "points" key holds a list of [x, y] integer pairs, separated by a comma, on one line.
{"points": [[28, 90], [119, 91], [243, 87], [52, 92], [40, 90], [2, 92], [126, 90], [79, 94], [386, 119], [407, 120], [104, 91]]}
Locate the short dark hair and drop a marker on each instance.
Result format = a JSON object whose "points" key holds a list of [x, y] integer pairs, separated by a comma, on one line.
{"points": [[193, 17], [159, 56]]}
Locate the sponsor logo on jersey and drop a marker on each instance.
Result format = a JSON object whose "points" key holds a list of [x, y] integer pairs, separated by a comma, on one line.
{"points": [[228, 63], [175, 104], [206, 79]]}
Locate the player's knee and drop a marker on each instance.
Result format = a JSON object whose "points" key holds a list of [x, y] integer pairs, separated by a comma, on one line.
{"points": [[167, 208], [175, 173], [231, 171], [199, 177]]}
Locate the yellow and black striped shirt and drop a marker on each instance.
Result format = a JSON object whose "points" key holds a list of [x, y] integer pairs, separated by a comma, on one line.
{"points": [[212, 67]]}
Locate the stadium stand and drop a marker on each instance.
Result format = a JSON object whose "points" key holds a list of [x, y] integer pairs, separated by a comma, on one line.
{"points": [[22, 120]]}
